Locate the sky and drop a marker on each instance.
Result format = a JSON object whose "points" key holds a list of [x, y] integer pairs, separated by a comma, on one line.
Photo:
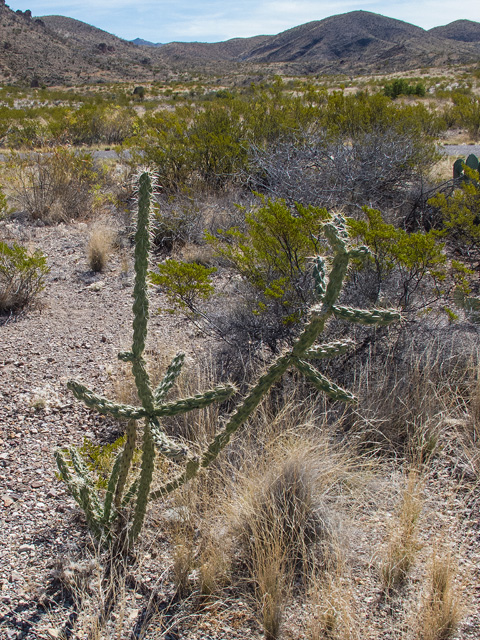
{"points": [[218, 20]]}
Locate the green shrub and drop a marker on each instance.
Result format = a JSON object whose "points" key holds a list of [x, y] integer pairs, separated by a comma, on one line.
{"points": [[466, 113], [185, 284], [401, 87], [461, 218], [410, 270], [22, 277]]}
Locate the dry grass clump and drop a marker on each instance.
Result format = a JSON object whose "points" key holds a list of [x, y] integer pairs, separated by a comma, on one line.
{"points": [[284, 530], [402, 544], [403, 400], [440, 611], [100, 245], [333, 615]]}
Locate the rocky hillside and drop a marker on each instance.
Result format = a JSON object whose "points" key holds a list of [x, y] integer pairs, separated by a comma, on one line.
{"points": [[460, 30], [59, 50], [360, 39]]}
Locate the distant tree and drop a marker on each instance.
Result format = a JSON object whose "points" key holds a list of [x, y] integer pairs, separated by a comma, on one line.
{"points": [[139, 92]]}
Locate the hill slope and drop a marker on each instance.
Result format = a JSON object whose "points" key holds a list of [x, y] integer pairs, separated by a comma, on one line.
{"points": [[346, 42], [460, 30], [60, 50]]}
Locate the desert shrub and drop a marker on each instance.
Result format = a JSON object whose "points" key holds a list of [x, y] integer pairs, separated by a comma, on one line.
{"points": [[376, 168], [466, 113], [207, 145], [177, 220], [461, 219], [185, 284], [22, 277], [401, 87], [272, 254], [191, 148], [4, 208], [97, 123], [55, 186], [410, 270]]}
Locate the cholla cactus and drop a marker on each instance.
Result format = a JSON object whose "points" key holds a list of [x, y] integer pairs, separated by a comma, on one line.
{"points": [[102, 515]]}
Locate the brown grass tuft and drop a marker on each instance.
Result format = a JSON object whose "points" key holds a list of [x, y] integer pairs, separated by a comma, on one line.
{"points": [[440, 612], [100, 245], [402, 544]]}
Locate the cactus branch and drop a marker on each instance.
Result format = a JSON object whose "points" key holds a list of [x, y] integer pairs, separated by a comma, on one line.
{"points": [[155, 441]]}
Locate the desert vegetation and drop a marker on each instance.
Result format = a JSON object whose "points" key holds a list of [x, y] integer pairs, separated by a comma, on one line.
{"points": [[291, 449]]}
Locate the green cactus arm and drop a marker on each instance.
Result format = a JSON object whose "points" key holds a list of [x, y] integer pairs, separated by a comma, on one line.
{"points": [[165, 445], [104, 406], [127, 457], [144, 482], [337, 234], [374, 318], [319, 277], [324, 384], [65, 472], [81, 490], [337, 276], [142, 248], [79, 465], [142, 382], [329, 350], [190, 472], [90, 506], [199, 401], [246, 408], [111, 488], [130, 493], [169, 378], [86, 481]]}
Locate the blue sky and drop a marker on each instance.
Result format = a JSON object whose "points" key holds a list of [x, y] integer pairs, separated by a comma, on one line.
{"points": [[216, 20]]}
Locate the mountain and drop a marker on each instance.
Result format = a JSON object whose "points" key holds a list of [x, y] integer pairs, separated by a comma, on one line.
{"points": [[60, 50], [460, 30], [336, 37], [145, 43], [359, 41], [57, 50]]}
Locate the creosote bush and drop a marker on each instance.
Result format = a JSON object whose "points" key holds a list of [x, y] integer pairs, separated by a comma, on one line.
{"points": [[22, 277]]}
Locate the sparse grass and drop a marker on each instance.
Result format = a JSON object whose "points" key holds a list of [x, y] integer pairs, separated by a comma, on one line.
{"points": [[333, 616], [440, 611], [402, 543], [100, 245]]}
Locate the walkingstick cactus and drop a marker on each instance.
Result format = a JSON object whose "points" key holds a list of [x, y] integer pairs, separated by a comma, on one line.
{"points": [[119, 500]]}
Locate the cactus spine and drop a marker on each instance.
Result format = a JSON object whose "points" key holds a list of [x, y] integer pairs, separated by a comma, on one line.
{"points": [[101, 517]]}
